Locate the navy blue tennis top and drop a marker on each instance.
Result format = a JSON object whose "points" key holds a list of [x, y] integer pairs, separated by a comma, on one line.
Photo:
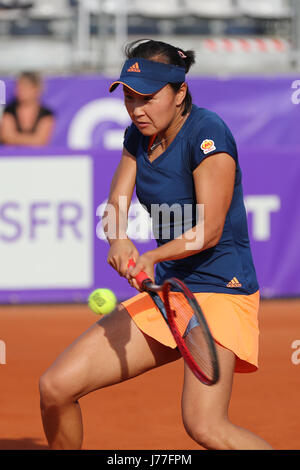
{"points": [[168, 181]]}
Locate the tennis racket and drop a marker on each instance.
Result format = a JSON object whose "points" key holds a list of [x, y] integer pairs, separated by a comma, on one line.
{"points": [[178, 305]]}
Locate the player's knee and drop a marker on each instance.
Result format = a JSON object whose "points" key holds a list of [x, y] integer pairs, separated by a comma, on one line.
{"points": [[199, 432], [52, 391], [206, 433]]}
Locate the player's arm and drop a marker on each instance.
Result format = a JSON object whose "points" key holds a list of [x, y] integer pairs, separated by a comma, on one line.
{"points": [[116, 212], [115, 217], [214, 183], [11, 136]]}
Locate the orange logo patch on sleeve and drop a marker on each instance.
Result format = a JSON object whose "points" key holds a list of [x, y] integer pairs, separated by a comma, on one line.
{"points": [[207, 146]]}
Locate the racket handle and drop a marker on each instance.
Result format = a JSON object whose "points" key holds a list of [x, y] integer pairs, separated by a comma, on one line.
{"points": [[141, 276]]}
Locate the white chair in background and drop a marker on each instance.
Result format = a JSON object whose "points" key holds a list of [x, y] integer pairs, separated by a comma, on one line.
{"points": [[50, 9], [11, 10], [160, 9], [265, 9], [211, 8]]}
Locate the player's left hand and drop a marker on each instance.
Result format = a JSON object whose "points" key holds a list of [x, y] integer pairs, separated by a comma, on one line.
{"points": [[142, 263]]}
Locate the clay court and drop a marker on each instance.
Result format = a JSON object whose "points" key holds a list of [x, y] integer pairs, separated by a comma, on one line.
{"points": [[144, 413]]}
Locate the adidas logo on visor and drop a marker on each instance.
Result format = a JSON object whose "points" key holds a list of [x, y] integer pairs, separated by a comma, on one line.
{"points": [[134, 68]]}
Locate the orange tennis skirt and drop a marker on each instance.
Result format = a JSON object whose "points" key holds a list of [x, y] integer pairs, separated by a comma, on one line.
{"points": [[232, 319]]}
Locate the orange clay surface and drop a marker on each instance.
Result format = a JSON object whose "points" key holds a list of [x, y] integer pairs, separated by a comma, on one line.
{"points": [[144, 412]]}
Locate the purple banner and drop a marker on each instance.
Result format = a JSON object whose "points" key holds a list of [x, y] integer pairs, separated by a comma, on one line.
{"points": [[52, 248], [272, 196], [261, 112]]}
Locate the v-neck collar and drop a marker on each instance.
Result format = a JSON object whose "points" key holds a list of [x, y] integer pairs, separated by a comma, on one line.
{"points": [[151, 139]]}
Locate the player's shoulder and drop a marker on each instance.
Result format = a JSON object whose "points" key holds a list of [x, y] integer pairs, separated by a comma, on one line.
{"points": [[132, 139], [207, 124], [10, 107], [131, 130], [45, 111], [205, 119], [204, 113]]}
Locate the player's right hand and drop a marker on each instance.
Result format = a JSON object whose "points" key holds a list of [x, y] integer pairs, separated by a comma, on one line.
{"points": [[119, 254]]}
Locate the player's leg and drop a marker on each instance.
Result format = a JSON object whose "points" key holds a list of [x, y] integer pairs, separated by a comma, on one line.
{"points": [[111, 351], [205, 410]]}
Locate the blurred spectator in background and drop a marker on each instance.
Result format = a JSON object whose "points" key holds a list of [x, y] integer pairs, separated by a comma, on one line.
{"points": [[25, 120]]}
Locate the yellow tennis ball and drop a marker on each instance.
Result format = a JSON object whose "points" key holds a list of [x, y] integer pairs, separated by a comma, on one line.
{"points": [[102, 301]]}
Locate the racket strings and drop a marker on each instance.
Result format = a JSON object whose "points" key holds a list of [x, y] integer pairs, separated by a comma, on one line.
{"points": [[198, 347], [195, 340], [183, 312]]}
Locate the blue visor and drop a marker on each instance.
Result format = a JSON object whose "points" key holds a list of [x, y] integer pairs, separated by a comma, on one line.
{"points": [[147, 77]]}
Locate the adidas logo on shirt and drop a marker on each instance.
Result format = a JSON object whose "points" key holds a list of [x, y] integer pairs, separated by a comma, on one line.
{"points": [[234, 283]]}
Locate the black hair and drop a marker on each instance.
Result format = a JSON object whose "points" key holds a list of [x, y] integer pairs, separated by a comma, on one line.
{"points": [[166, 53]]}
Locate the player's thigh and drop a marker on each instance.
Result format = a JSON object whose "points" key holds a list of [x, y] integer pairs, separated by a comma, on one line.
{"points": [[203, 405], [110, 351]]}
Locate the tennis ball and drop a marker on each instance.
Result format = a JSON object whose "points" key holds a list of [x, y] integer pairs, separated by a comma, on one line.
{"points": [[102, 301]]}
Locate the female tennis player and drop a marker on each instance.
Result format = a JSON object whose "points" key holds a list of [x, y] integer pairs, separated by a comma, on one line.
{"points": [[175, 153]]}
